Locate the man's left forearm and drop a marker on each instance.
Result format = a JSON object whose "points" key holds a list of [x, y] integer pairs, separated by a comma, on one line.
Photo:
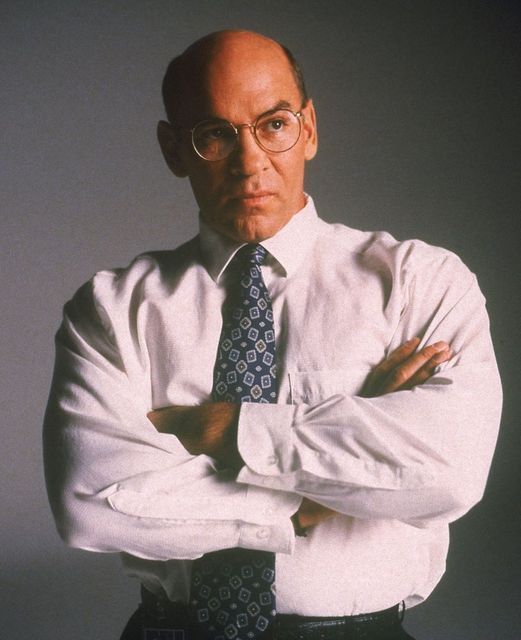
{"points": [[209, 429]]}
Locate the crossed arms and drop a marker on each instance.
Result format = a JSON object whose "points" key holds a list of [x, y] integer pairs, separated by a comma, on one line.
{"points": [[413, 446], [211, 429]]}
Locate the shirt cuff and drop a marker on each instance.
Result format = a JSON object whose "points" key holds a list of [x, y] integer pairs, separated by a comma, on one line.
{"points": [[268, 538]]}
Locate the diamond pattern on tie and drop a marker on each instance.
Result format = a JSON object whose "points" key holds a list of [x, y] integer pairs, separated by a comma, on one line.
{"points": [[244, 369], [232, 592]]}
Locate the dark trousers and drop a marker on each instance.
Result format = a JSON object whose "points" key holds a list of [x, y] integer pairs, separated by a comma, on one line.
{"points": [[141, 628]]}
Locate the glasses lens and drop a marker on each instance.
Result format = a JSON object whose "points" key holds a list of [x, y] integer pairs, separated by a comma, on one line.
{"points": [[278, 131], [213, 139]]}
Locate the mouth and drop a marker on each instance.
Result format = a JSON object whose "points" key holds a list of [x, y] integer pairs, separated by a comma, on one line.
{"points": [[254, 198]]}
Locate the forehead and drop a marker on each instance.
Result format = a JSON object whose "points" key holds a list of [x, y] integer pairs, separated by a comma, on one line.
{"points": [[237, 80]]}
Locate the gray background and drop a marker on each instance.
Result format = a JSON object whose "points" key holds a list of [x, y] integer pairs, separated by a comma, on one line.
{"points": [[418, 117]]}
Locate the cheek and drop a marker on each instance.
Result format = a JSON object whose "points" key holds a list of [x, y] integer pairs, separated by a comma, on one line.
{"points": [[205, 185], [292, 173]]}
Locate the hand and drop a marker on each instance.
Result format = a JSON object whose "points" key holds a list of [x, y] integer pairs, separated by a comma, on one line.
{"points": [[311, 513], [403, 369], [209, 429]]}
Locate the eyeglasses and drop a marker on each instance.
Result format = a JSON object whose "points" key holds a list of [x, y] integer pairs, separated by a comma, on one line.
{"points": [[274, 131]]}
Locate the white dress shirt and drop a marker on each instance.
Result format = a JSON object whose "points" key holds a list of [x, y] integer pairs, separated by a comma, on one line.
{"points": [[398, 467]]}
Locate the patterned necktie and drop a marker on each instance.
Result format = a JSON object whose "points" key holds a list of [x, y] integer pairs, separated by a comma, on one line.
{"points": [[232, 590]]}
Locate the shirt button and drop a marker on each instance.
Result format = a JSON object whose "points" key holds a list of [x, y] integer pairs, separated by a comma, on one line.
{"points": [[263, 533]]}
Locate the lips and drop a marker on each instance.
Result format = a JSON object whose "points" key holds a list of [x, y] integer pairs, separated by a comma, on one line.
{"points": [[253, 195]]}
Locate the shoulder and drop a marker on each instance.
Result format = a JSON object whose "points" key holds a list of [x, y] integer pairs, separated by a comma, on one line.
{"points": [[401, 259], [153, 268], [150, 273]]}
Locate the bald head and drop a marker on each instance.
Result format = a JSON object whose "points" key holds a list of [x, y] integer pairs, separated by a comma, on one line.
{"points": [[241, 79], [187, 73]]}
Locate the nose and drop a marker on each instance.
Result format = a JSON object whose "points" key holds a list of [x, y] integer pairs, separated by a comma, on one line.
{"points": [[248, 158]]}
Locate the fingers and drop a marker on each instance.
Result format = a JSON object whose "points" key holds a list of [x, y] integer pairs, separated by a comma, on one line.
{"points": [[417, 368], [167, 419], [311, 513], [378, 375], [399, 355], [428, 369]]}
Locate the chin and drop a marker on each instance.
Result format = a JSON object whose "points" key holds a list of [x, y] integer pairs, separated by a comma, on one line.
{"points": [[255, 226], [254, 230]]}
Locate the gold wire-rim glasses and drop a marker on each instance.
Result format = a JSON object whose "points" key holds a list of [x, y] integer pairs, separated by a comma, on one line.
{"points": [[221, 123]]}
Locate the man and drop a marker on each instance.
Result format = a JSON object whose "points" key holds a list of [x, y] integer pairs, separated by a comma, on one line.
{"points": [[278, 387]]}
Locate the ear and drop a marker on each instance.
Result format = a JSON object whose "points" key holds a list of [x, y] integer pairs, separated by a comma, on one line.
{"points": [[170, 146], [309, 128]]}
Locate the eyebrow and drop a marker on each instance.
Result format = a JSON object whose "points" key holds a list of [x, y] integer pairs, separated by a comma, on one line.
{"points": [[281, 104]]}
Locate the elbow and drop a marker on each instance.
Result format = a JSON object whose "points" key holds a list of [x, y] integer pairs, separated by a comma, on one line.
{"points": [[72, 534], [465, 494], [459, 500], [76, 535], [445, 501], [82, 524]]}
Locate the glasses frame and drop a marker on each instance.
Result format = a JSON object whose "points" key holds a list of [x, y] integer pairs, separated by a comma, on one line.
{"points": [[252, 127]]}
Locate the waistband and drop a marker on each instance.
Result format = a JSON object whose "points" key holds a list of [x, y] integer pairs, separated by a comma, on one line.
{"points": [[367, 625], [161, 613]]}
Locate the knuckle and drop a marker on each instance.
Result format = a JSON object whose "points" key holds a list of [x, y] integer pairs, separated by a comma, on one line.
{"points": [[403, 349], [396, 377], [421, 376], [440, 357], [428, 351]]}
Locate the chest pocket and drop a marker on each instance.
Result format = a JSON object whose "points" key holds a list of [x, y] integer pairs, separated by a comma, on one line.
{"points": [[311, 387]]}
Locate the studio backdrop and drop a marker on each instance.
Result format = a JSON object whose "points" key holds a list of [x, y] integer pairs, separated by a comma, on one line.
{"points": [[418, 117]]}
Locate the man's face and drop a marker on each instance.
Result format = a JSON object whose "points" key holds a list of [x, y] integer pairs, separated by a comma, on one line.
{"points": [[252, 193]]}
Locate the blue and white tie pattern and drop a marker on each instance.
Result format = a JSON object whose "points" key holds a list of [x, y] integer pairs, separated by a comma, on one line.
{"points": [[232, 592], [245, 368]]}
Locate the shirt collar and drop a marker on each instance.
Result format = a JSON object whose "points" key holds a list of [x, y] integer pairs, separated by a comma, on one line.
{"points": [[288, 246]]}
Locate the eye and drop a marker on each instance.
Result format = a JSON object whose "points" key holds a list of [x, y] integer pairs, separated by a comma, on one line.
{"points": [[276, 124], [208, 133], [213, 133]]}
